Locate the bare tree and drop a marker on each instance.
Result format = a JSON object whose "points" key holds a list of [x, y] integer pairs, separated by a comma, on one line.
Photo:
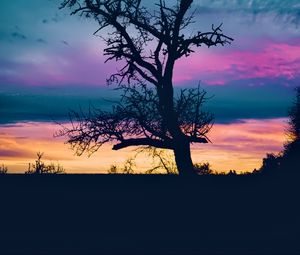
{"points": [[148, 42]]}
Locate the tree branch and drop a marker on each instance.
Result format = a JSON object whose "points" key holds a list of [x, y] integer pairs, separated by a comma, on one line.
{"points": [[197, 139], [143, 142]]}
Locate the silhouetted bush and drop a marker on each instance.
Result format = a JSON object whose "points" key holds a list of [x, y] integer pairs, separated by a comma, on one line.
{"points": [[203, 168], [3, 169], [113, 169], [127, 168], [39, 167], [232, 172]]}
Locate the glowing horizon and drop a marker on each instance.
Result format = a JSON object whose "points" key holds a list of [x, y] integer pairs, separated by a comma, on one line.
{"points": [[236, 146]]}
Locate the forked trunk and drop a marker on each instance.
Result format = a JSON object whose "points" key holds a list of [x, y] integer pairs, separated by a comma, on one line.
{"points": [[183, 159]]}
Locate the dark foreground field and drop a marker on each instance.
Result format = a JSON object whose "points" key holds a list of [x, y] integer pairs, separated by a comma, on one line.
{"points": [[121, 214]]}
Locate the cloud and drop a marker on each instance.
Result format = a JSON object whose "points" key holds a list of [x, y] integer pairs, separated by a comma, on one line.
{"points": [[266, 59], [36, 66], [40, 40], [65, 42], [4, 153], [18, 35], [54, 19], [64, 65], [283, 10], [262, 54], [229, 103], [50, 103]]}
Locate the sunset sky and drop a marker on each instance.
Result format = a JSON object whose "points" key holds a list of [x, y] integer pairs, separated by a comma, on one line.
{"points": [[50, 62]]}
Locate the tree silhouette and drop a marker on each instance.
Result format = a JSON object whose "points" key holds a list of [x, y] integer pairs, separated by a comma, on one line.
{"points": [[287, 161], [148, 43], [294, 118], [292, 147]]}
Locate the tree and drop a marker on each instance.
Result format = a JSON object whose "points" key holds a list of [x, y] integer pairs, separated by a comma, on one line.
{"points": [[292, 147], [294, 118], [148, 43], [287, 161]]}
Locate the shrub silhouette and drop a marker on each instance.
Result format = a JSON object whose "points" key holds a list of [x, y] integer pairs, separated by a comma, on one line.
{"points": [[127, 168], [113, 170], [203, 168], [39, 167], [3, 169]]}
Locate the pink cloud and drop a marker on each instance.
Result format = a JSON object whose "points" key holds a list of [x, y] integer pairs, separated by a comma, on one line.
{"points": [[272, 61], [82, 66], [85, 65]]}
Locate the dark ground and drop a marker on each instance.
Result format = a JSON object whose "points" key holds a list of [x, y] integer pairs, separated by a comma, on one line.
{"points": [[121, 214]]}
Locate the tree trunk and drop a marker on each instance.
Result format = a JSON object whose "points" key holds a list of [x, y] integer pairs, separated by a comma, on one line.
{"points": [[181, 149], [182, 153]]}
